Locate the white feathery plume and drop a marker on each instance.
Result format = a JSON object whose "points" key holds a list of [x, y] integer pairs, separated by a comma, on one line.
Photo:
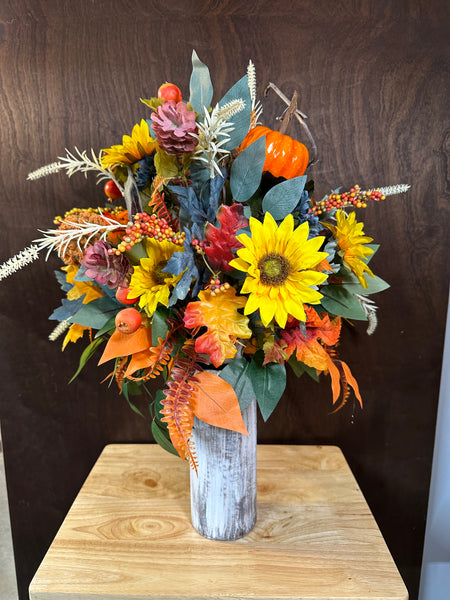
{"points": [[60, 238], [256, 105], [26, 256], [214, 133], [390, 190], [59, 330], [370, 310], [72, 163]]}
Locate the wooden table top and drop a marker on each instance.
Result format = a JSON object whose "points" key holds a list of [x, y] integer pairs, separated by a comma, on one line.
{"points": [[128, 535]]}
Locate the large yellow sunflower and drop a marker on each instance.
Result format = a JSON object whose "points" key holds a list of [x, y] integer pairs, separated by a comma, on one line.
{"points": [[149, 282], [279, 263], [132, 148], [351, 240]]}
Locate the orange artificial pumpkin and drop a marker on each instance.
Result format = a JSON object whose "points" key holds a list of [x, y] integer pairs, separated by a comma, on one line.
{"points": [[285, 157]]}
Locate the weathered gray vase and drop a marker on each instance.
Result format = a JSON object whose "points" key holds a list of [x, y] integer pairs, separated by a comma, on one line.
{"points": [[223, 494]]}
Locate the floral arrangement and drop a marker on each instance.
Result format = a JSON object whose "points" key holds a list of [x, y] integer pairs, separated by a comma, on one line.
{"points": [[212, 265]]}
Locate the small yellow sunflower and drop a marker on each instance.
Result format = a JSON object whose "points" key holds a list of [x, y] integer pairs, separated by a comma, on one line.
{"points": [[132, 148], [351, 240], [149, 282], [279, 263]]}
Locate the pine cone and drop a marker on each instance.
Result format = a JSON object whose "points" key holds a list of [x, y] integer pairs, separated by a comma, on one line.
{"points": [[173, 123]]}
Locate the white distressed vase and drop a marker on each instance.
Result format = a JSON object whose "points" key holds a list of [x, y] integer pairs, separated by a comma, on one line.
{"points": [[223, 493]]}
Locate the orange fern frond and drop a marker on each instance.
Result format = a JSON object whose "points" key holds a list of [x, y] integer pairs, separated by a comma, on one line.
{"points": [[119, 372], [177, 411], [153, 361], [157, 203]]}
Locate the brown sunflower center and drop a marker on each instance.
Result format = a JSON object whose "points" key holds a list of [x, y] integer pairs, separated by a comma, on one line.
{"points": [[274, 269], [158, 274]]}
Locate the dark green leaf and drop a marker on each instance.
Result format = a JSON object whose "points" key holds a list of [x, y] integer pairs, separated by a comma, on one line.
{"points": [[126, 392], [109, 326], [86, 355], [281, 200], [268, 382], [159, 324], [236, 373], [246, 170], [97, 313], [299, 368], [339, 301], [200, 85], [162, 438]]}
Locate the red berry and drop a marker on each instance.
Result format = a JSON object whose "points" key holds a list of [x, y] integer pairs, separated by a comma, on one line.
{"points": [[122, 296], [169, 91], [112, 191], [128, 320]]}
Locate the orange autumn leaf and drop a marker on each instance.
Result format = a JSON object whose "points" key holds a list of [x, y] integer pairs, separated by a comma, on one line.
{"points": [[307, 347], [152, 360], [124, 344], [214, 401], [219, 314]]}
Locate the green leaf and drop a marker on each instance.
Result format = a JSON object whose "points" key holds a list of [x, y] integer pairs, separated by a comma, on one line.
{"points": [[296, 366], [339, 301], [162, 438], [200, 85], [127, 389], [374, 285], [241, 120], [269, 383], [97, 313], [246, 170], [236, 373], [109, 326], [166, 164], [159, 325], [86, 355], [281, 200]]}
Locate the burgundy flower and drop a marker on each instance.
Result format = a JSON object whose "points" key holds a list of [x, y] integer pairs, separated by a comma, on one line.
{"points": [[173, 123], [107, 269]]}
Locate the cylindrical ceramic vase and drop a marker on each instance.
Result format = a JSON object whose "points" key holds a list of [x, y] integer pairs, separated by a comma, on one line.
{"points": [[223, 493]]}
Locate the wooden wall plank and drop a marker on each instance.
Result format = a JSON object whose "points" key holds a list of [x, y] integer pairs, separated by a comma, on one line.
{"points": [[373, 78]]}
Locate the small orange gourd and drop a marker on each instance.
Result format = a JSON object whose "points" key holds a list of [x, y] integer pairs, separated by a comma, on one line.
{"points": [[285, 157]]}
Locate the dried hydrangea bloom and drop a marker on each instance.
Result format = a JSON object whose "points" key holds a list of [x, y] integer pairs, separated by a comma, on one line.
{"points": [[72, 253]]}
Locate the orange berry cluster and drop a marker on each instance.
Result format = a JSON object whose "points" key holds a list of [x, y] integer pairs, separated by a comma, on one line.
{"points": [[148, 226], [198, 246], [355, 197], [216, 287]]}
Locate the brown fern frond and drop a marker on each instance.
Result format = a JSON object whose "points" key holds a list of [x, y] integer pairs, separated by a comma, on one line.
{"points": [[119, 372], [177, 411]]}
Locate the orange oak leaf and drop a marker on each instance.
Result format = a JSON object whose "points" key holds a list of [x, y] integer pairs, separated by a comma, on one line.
{"points": [[124, 344], [214, 401], [219, 314]]}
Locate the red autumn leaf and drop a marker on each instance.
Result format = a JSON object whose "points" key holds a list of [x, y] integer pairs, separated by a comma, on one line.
{"points": [[214, 401], [221, 241]]}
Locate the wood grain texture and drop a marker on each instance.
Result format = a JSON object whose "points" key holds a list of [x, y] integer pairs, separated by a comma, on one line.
{"points": [[223, 490], [373, 78], [128, 534]]}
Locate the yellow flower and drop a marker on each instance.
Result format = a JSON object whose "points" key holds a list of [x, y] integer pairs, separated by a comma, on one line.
{"points": [[88, 289], [149, 282], [279, 263], [132, 148], [351, 240]]}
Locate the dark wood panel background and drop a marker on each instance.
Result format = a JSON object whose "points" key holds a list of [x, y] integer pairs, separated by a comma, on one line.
{"points": [[373, 78]]}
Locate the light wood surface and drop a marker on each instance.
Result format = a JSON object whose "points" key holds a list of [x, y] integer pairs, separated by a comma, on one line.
{"points": [[128, 535]]}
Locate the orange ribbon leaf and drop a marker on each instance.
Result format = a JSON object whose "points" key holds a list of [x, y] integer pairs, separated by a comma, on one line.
{"points": [[214, 401]]}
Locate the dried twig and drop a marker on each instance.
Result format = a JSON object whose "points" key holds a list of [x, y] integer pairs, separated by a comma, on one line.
{"points": [[300, 116]]}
